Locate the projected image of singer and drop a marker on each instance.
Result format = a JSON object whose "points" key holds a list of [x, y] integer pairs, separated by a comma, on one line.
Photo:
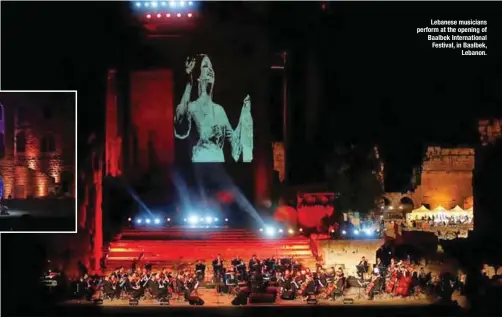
{"points": [[210, 119]]}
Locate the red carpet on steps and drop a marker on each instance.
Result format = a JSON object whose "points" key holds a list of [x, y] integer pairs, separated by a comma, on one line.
{"points": [[171, 245]]}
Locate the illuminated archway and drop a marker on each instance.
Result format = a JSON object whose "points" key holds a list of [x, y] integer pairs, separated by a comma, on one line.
{"points": [[386, 201], [407, 202]]}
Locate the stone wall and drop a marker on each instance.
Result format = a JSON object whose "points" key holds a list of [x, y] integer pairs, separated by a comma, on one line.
{"points": [[348, 253], [38, 116], [445, 180]]}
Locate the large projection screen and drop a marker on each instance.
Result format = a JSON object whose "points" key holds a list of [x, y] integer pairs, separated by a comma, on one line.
{"points": [[214, 125]]}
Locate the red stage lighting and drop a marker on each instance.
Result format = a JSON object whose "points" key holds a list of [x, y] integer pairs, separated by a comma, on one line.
{"points": [[168, 15], [189, 15], [148, 16], [179, 15], [159, 15]]}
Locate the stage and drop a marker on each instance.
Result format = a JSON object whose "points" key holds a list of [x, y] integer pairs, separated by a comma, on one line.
{"points": [[221, 306], [212, 300]]}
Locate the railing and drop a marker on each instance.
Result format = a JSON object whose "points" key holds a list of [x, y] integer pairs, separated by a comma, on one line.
{"points": [[314, 248]]}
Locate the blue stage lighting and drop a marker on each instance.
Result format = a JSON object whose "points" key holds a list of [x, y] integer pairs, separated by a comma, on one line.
{"points": [[157, 221], [356, 232], [190, 3], [182, 4], [147, 221], [147, 4], [270, 231], [193, 219], [172, 4], [344, 232], [209, 219], [154, 4], [139, 221], [163, 4], [138, 4]]}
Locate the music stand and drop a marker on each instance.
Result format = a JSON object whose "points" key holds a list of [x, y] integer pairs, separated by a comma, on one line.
{"points": [[217, 284], [361, 286]]}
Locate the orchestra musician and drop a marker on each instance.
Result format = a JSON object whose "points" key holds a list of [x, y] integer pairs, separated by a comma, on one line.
{"points": [[134, 287], [254, 265], [309, 286], [362, 267], [289, 286], [375, 285], [337, 285], [200, 270], [218, 268]]}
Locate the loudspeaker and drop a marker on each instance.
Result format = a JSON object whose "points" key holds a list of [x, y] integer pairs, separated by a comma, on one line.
{"points": [[195, 300], [260, 298], [240, 299], [288, 295], [133, 302], [98, 301], [348, 301], [164, 302], [311, 299]]}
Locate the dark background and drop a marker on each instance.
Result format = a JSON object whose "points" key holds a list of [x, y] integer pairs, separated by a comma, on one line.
{"points": [[380, 81]]}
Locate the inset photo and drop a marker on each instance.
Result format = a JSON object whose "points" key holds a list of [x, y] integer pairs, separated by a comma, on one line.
{"points": [[37, 161]]}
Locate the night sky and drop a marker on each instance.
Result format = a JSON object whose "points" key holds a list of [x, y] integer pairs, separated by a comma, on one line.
{"points": [[380, 81]]}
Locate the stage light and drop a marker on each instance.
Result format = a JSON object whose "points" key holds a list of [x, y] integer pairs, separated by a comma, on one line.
{"points": [[367, 231], [189, 15], [129, 219], [280, 230], [159, 15], [182, 3], [168, 15], [169, 219], [172, 4], [157, 221], [148, 16], [147, 221], [147, 4], [163, 4], [138, 4], [190, 3], [154, 4], [391, 208], [344, 232], [301, 230], [261, 230], [226, 220], [202, 219], [356, 232], [139, 221], [193, 219], [332, 231], [209, 219], [290, 231], [178, 15], [185, 220], [215, 219], [270, 231]]}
